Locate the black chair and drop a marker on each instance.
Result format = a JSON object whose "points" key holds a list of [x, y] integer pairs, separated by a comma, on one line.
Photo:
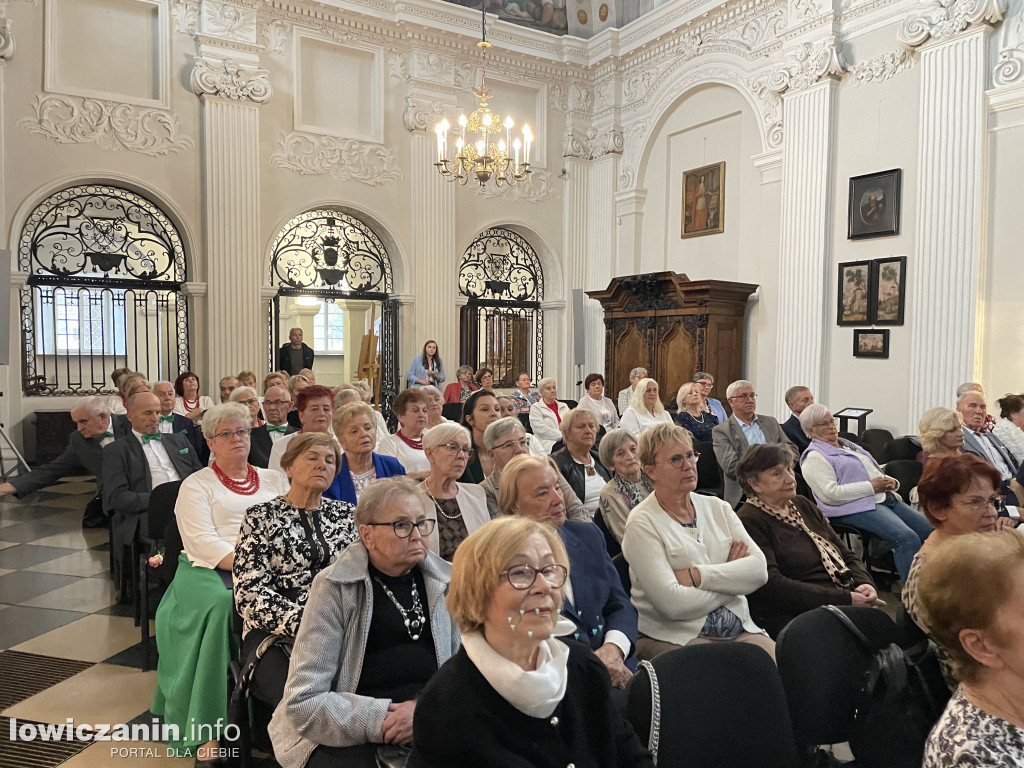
{"points": [[875, 440], [710, 480], [160, 512], [822, 666], [524, 419], [902, 449], [164, 573], [619, 561], [452, 411], [875, 552], [571, 403], [716, 705], [850, 436], [907, 472]]}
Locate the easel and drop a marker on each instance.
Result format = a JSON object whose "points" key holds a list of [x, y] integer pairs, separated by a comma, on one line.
{"points": [[20, 465], [369, 360]]}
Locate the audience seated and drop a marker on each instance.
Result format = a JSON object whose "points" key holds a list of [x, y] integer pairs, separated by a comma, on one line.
{"points": [[645, 409], [1010, 427], [461, 507], [851, 488], [426, 368], [356, 429], [523, 396], [691, 414], [626, 394], [507, 407], [116, 403], [169, 420], [315, 406], [629, 484], [406, 445], [743, 429], [435, 403], [374, 631], [797, 398], [484, 377], [691, 561], [511, 674], [547, 413], [248, 397], [276, 403], [275, 379], [941, 433], [707, 383], [595, 401], [282, 545], [460, 389], [594, 600], [367, 397], [981, 442], [808, 564], [578, 462], [478, 411], [228, 385], [296, 384], [981, 633], [193, 621]]}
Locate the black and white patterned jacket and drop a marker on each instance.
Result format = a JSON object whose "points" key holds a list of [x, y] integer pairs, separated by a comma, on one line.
{"points": [[280, 549]]}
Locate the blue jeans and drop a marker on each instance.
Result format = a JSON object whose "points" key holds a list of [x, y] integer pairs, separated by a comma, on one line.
{"points": [[898, 524]]}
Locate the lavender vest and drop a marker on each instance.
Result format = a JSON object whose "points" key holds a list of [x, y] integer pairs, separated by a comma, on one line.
{"points": [[848, 469]]}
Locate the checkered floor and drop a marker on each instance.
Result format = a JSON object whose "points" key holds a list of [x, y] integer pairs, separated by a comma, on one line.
{"points": [[67, 649]]}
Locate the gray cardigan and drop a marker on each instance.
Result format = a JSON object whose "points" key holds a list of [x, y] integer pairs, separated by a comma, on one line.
{"points": [[319, 704]]}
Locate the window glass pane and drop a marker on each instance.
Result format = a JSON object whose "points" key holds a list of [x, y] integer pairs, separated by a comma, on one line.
{"points": [[329, 329]]}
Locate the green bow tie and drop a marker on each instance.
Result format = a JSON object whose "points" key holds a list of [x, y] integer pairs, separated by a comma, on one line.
{"points": [[168, 417], [104, 436], [146, 439], [274, 428]]}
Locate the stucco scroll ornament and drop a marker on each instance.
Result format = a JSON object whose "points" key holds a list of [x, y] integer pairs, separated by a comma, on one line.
{"points": [[110, 125], [943, 19], [535, 188], [1010, 66], [274, 36], [420, 114], [6, 40], [808, 64], [344, 159], [883, 67], [186, 16], [226, 79]]}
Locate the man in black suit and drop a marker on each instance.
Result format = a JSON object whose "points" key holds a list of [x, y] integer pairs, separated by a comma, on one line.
{"points": [[294, 356], [797, 398], [134, 465], [175, 423], [276, 404], [84, 455]]}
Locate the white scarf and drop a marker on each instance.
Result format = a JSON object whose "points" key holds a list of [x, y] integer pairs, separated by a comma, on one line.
{"points": [[534, 693]]}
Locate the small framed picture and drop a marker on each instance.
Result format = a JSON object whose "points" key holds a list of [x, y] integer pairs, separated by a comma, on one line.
{"points": [[871, 342], [889, 279], [854, 293], [704, 200], [875, 205]]}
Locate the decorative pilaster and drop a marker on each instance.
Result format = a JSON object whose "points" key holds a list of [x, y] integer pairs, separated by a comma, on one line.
{"points": [[629, 217], [601, 226], [577, 262]]}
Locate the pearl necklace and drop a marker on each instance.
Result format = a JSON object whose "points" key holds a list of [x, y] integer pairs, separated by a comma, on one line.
{"points": [[439, 509], [246, 487], [415, 624]]}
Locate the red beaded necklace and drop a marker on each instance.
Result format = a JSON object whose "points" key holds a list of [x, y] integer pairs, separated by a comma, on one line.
{"points": [[417, 444], [246, 487], [190, 405]]}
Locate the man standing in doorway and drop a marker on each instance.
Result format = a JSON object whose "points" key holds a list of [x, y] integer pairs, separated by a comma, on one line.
{"points": [[294, 356]]}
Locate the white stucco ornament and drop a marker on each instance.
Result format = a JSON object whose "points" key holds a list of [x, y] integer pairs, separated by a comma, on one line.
{"points": [[312, 154], [226, 79], [943, 19]]}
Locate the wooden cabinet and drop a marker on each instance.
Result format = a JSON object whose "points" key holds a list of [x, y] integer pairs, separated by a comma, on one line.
{"points": [[673, 327]]}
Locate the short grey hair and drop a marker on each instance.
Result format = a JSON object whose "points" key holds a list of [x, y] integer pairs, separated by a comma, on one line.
{"points": [[685, 390], [295, 380], [464, 369], [238, 394], [961, 396], [346, 394], [576, 413], [224, 412], [610, 444], [702, 375], [545, 381], [500, 429], [431, 390], [380, 496], [162, 381], [736, 386], [92, 405], [811, 415], [303, 441], [657, 437], [636, 372], [968, 386], [444, 433], [792, 392]]}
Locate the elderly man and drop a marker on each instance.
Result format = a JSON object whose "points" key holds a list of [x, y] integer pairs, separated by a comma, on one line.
{"points": [[634, 378], [797, 398], [136, 464], [979, 441], [227, 385], [171, 422], [294, 356], [276, 404], [84, 455], [740, 431]]}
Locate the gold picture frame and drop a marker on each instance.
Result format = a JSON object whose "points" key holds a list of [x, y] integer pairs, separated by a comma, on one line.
{"points": [[703, 201]]}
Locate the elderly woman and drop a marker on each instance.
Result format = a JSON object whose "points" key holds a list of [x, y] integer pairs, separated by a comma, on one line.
{"points": [[484, 377], [282, 545], [851, 488], [356, 430], [461, 507], [691, 560], [435, 405], [374, 631], [247, 396], [275, 379], [193, 622], [460, 389], [505, 439], [595, 600], [406, 445], [808, 564], [523, 395], [296, 384], [478, 411], [188, 401], [578, 462], [426, 369], [315, 406], [547, 413], [692, 415], [941, 432], [645, 409], [595, 401], [1010, 427], [247, 379], [367, 397], [982, 634], [511, 675], [117, 402], [629, 484], [706, 382]]}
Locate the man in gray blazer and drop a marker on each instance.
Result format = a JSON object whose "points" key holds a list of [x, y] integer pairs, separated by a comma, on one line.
{"points": [[740, 431], [979, 441], [83, 456]]}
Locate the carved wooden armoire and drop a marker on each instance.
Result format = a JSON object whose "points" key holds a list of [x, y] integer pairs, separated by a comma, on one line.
{"points": [[673, 327]]}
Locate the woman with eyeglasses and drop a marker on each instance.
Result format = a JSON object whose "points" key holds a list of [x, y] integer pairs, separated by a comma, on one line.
{"points": [[706, 382], [850, 488], [460, 508], [193, 622], [691, 561], [374, 632], [514, 695], [355, 426]]}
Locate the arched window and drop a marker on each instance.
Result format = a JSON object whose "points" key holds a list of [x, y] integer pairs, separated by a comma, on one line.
{"points": [[502, 323], [333, 265], [105, 271]]}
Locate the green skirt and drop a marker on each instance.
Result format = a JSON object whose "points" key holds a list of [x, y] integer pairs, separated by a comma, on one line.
{"points": [[196, 645]]}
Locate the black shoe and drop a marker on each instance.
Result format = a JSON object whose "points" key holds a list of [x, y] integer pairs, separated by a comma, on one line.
{"points": [[94, 522]]}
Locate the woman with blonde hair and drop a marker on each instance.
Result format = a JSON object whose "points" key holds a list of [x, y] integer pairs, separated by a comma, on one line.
{"points": [[941, 433], [692, 416], [645, 409]]}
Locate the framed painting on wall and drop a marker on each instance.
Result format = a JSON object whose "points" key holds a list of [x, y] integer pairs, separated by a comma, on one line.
{"points": [[890, 299], [871, 342], [704, 200], [854, 293], [874, 205]]}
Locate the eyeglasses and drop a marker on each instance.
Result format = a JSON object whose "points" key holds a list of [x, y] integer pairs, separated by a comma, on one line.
{"points": [[454, 448], [403, 528], [824, 423], [705, 384], [744, 396], [276, 403], [979, 504], [238, 433], [523, 443], [524, 576], [252, 401], [677, 461]]}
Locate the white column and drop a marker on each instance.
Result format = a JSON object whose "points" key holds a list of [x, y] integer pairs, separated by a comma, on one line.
{"points": [[575, 267], [9, 384], [629, 219], [604, 172], [805, 252]]}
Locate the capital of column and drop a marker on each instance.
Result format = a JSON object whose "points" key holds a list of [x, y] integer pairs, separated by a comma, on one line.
{"points": [[404, 299], [422, 113], [19, 279], [228, 79], [807, 64], [6, 40], [945, 19], [591, 143], [630, 203], [194, 289]]}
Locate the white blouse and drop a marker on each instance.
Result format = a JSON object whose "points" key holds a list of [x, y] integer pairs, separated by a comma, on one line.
{"points": [[205, 403], [637, 422], [1012, 437], [603, 409], [412, 459]]}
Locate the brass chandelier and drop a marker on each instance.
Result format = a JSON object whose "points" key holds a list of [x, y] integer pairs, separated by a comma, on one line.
{"points": [[488, 155]]}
